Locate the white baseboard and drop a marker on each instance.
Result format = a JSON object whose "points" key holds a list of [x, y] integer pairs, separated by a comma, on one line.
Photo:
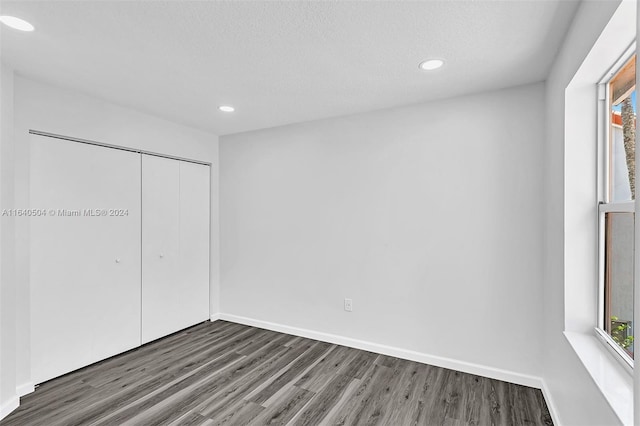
{"points": [[438, 361], [550, 404], [214, 317], [9, 406], [25, 388]]}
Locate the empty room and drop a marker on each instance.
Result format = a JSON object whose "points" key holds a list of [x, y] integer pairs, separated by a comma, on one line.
{"points": [[318, 212]]}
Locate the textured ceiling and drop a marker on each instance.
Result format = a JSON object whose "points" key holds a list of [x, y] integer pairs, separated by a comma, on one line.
{"points": [[281, 62]]}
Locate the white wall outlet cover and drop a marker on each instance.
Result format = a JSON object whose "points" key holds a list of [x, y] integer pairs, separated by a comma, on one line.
{"points": [[348, 305]]}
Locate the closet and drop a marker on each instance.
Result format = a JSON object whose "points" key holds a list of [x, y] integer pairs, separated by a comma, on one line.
{"points": [[119, 251], [175, 245]]}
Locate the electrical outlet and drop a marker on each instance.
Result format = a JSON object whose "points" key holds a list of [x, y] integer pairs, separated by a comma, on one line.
{"points": [[348, 305]]}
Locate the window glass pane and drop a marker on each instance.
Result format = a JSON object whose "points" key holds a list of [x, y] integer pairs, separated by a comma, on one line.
{"points": [[619, 236], [623, 133]]}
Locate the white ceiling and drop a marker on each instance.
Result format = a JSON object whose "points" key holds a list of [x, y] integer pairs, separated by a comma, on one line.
{"points": [[281, 62]]}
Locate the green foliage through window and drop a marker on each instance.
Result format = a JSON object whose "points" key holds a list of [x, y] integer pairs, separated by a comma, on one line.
{"points": [[620, 333]]}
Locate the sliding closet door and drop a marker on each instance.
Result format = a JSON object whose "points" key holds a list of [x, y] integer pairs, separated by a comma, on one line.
{"points": [[160, 247], [175, 245], [194, 241], [85, 254]]}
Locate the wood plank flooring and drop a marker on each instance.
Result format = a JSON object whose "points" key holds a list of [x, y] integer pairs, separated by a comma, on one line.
{"points": [[223, 373]]}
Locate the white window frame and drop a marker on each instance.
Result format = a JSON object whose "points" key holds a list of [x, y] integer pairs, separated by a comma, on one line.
{"points": [[604, 204]]}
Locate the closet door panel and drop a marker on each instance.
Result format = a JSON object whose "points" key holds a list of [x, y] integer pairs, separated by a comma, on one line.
{"points": [[194, 242], [161, 295], [85, 266]]}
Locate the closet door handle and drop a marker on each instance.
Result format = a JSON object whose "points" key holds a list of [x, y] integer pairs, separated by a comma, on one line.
{"points": [[118, 260], [161, 255]]}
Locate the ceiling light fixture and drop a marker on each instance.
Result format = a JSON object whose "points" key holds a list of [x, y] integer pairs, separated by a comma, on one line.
{"points": [[431, 64], [226, 108], [16, 23]]}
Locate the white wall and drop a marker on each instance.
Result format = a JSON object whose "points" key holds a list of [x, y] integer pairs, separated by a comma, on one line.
{"points": [[50, 109], [429, 217], [570, 225], [8, 312]]}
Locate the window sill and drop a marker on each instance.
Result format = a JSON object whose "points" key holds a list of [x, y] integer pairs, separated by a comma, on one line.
{"points": [[612, 379]]}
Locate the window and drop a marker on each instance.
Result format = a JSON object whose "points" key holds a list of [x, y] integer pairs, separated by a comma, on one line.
{"points": [[616, 208]]}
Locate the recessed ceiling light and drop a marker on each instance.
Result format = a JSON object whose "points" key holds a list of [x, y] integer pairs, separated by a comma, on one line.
{"points": [[226, 108], [16, 23], [431, 64]]}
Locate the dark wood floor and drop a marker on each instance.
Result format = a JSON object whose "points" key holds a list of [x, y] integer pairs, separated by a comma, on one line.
{"points": [[228, 374]]}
